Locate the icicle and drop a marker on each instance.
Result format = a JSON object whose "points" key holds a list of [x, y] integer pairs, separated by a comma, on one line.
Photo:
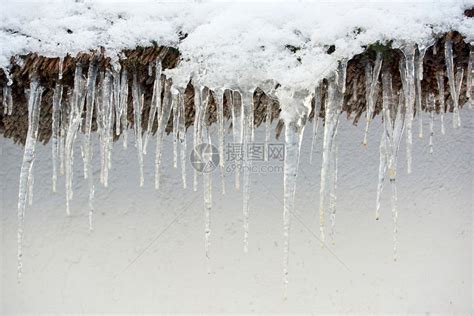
{"points": [[162, 124], [56, 117], [91, 80], [220, 120], [62, 135], [197, 110], [182, 135], [7, 100], [137, 124], [442, 107], [105, 112], [124, 106], [268, 126], [237, 129], [407, 72], [247, 111], [75, 117], [205, 137], [316, 120], [60, 68], [418, 78], [294, 130], [394, 124], [453, 81], [333, 194], [382, 172], [155, 106], [430, 104], [470, 79], [175, 130], [34, 104], [333, 109], [371, 81]]}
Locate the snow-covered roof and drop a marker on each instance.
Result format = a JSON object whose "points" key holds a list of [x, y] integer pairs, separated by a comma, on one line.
{"points": [[228, 44]]}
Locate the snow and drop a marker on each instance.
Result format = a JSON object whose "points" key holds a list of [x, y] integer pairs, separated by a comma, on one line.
{"points": [[228, 44]]}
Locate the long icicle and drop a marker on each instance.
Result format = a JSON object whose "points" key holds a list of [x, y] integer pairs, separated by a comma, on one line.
{"points": [[75, 117], [442, 107], [175, 120], [91, 80], [333, 110], [470, 78], [34, 104], [247, 115], [407, 72], [293, 138], [137, 124], [55, 130], [371, 81], [316, 119]]}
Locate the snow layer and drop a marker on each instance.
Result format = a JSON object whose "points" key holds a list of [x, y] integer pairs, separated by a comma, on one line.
{"points": [[232, 44]]}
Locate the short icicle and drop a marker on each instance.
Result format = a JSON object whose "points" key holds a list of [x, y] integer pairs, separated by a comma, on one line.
{"points": [[316, 119], [430, 105], [182, 135], [163, 119], [155, 106], [34, 104], [407, 73], [442, 107], [371, 80], [470, 79], [7, 100], [333, 110], [219, 98], [237, 130], [418, 78], [454, 81]]}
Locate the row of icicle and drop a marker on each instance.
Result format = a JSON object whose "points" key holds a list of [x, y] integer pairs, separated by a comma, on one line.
{"points": [[109, 100]]}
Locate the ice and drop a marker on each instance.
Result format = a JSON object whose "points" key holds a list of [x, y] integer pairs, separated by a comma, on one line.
{"points": [[237, 127], [316, 119], [60, 69], [430, 104], [75, 116], [7, 100], [163, 119], [394, 119], [182, 135], [155, 106], [138, 97], [219, 99], [469, 78], [197, 113], [123, 105], [175, 109], [371, 80], [55, 130], [34, 104], [454, 81], [418, 78], [407, 73], [248, 130], [90, 98], [293, 137], [442, 107], [333, 108]]}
